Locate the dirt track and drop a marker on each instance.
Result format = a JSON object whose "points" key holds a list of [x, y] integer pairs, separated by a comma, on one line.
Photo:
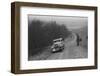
{"points": [[71, 50]]}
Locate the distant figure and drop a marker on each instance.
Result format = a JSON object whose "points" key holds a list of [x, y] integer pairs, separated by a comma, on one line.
{"points": [[78, 39], [86, 37]]}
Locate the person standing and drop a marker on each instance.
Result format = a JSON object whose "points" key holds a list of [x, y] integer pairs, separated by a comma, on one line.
{"points": [[78, 40]]}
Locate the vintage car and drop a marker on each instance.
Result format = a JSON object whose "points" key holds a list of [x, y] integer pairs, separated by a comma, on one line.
{"points": [[58, 45]]}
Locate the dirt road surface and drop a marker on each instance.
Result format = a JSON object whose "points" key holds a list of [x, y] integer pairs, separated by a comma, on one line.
{"points": [[71, 50]]}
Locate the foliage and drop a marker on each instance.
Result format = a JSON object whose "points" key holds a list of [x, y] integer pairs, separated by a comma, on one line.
{"points": [[41, 34]]}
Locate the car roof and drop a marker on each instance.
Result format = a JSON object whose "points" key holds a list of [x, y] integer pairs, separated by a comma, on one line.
{"points": [[57, 39]]}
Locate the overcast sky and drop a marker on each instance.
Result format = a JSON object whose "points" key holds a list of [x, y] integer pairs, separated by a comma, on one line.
{"points": [[71, 22]]}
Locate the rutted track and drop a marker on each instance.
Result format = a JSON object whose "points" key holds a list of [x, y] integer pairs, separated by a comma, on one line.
{"points": [[71, 50]]}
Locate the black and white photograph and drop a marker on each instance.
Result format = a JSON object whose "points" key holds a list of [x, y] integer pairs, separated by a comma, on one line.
{"points": [[52, 37]]}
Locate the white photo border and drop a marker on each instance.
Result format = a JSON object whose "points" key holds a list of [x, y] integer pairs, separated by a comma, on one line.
{"points": [[25, 64]]}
